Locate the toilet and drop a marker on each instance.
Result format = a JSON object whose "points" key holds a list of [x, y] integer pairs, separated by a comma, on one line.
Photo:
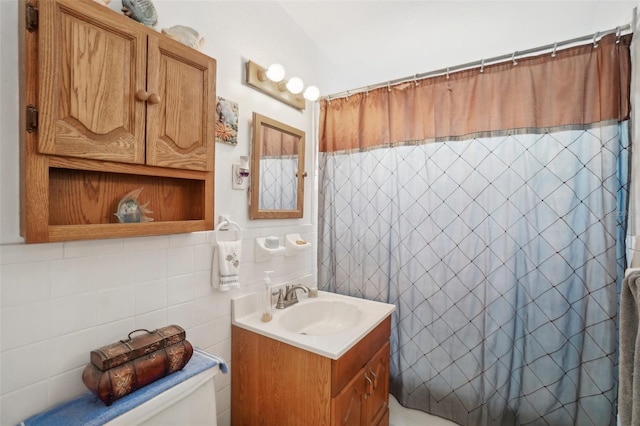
{"points": [[172, 400], [192, 402]]}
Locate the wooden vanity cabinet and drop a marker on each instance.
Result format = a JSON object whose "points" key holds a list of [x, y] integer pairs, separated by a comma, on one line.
{"points": [[365, 399], [109, 105], [273, 383]]}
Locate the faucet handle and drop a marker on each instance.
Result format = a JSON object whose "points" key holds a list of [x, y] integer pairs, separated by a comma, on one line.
{"points": [[280, 301]]}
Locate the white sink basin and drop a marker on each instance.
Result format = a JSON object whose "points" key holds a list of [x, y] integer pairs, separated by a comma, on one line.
{"points": [[320, 318], [328, 325]]}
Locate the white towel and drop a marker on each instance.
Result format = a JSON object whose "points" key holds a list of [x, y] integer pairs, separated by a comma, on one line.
{"points": [[225, 268]]}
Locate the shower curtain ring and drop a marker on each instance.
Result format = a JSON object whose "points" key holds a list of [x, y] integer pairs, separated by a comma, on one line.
{"points": [[513, 58], [555, 47], [415, 80], [447, 73], [618, 34], [388, 86], [595, 40], [482, 65]]}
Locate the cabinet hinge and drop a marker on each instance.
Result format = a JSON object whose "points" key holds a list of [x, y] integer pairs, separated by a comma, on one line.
{"points": [[32, 18], [32, 118]]}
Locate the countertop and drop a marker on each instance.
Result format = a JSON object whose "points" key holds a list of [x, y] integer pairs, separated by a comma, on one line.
{"points": [[246, 313]]}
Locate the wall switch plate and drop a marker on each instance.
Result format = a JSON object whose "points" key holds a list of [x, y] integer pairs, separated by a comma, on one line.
{"points": [[238, 182]]}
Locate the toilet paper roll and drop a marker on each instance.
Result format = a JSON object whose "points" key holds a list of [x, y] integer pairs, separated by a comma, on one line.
{"points": [[272, 242]]}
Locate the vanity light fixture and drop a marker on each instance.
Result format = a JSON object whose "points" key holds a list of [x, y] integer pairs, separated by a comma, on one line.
{"points": [[272, 82]]}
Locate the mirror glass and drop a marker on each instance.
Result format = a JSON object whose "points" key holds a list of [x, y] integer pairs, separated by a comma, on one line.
{"points": [[277, 170]]}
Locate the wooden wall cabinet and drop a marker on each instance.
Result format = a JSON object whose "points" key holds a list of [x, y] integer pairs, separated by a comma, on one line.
{"points": [[273, 383], [109, 105]]}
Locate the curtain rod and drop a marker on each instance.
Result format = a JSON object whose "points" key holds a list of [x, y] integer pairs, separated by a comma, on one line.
{"points": [[594, 38]]}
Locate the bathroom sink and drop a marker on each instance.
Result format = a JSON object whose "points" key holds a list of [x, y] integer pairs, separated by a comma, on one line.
{"points": [[327, 325], [320, 318]]}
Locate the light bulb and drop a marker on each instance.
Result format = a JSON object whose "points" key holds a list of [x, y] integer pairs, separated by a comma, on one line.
{"points": [[295, 85], [311, 93], [275, 72]]}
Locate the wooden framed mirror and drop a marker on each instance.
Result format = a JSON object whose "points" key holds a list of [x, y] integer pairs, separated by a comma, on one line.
{"points": [[277, 170]]}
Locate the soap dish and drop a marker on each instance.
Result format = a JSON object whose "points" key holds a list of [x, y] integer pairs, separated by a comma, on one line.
{"points": [[295, 244], [265, 250]]}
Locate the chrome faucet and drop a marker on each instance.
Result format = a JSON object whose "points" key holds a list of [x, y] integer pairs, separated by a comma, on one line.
{"points": [[287, 296]]}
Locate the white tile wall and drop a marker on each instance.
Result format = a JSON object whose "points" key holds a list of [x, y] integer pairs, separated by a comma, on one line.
{"points": [[24, 324], [60, 301]]}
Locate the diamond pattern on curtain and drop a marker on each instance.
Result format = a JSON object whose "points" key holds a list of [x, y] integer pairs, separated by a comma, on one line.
{"points": [[502, 255]]}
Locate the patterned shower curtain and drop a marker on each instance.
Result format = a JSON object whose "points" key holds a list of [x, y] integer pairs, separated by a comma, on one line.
{"points": [[499, 239]]}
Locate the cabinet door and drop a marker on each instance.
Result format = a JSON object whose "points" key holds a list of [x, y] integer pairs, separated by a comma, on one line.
{"points": [[377, 370], [180, 126], [87, 107], [347, 406]]}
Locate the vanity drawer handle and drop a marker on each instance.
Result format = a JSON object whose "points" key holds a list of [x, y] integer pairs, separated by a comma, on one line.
{"points": [[367, 392], [375, 379]]}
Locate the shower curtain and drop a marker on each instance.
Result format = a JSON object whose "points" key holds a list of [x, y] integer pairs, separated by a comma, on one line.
{"points": [[490, 208]]}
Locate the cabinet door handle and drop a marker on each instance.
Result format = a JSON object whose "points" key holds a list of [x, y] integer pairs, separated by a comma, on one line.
{"points": [[141, 95], [369, 385], [153, 99], [375, 379]]}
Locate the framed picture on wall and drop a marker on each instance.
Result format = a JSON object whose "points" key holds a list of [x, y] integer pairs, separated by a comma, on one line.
{"points": [[226, 121]]}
